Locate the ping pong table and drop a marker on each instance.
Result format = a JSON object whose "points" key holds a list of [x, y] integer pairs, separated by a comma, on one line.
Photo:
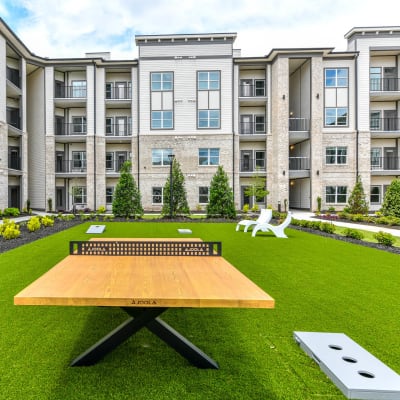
{"points": [[145, 277]]}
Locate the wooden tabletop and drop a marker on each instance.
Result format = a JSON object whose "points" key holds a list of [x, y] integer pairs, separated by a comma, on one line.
{"points": [[144, 281]]}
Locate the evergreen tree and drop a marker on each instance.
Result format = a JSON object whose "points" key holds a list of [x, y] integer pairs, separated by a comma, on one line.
{"points": [[357, 203], [127, 200], [179, 201], [391, 202], [221, 196]]}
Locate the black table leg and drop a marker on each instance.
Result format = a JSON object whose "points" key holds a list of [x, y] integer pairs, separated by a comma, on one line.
{"points": [[178, 342], [145, 317]]}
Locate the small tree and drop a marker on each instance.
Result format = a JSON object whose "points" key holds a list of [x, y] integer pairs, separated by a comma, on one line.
{"points": [[179, 201], [357, 203], [257, 189], [391, 202], [221, 202], [127, 200]]}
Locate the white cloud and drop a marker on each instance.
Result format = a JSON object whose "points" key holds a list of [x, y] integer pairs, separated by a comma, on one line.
{"points": [[77, 26]]}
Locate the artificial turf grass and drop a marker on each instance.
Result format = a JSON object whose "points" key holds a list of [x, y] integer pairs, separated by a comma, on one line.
{"points": [[319, 284]]}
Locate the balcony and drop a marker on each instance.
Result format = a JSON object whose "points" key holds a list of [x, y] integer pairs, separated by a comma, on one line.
{"points": [[114, 166], [252, 128], [118, 96], [70, 167], [385, 127], [70, 129], [252, 164], [385, 165], [253, 94], [384, 89], [14, 162], [299, 167], [118, 131], [70, 96]]}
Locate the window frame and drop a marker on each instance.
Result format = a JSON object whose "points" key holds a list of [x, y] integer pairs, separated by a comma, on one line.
{"points": [[208, 119], [164, 159], [379, 194], [108, 188], [336, 80], [203, 196], [161, 195], [336, 156], [335, 117], [208, 157], [162, 118], [78, 162], [78, 121], [82, 195], [335, 193], [163, 83]]}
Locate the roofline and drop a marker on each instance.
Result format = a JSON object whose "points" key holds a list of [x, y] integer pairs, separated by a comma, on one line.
{"points": [[230, 35], [360, 29]]}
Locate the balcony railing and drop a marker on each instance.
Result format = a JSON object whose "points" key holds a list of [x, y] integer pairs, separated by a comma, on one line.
{"points": [[119, 93], [69, 92], [13, 76], [252, 91], [299, 163], [385, 124], [252, 128], [299, 124], [14, 163], [69, 129], [384, 84], [70, 166], [385, 163], [118, 130], [114, 165], [252, 165]]}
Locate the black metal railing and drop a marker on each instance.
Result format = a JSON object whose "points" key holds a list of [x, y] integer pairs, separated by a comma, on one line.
{"points": [[13, 76], [385, 124], [252, 91], [384, 84], [252, 128], [252, 165], [118, 130], [70, 166], [70, 92], [118, 93], [114, 165], [299, 124], [385, 163], [299, 163], [70, 128], [14, 162]]}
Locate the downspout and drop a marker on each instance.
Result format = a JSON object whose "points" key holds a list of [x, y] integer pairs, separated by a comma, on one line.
{"points": [[356, 113], [94, 134], [233, 130], [138, 123]]}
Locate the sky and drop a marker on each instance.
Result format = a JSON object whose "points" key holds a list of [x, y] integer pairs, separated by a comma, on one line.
{"points": [[70, 28]]}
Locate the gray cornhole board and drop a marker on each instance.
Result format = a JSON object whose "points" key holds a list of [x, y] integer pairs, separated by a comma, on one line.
{"points": [[185, 231], [96, 229], [355, 371]]}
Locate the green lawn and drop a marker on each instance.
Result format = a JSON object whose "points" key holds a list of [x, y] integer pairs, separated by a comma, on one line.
{"points": [[319, 284]]}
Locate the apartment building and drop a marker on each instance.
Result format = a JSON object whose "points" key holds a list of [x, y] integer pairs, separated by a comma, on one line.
{"points": [[307, 120]]}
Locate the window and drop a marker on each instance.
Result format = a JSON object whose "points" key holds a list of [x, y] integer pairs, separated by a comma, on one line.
{"points": [[79, 160], [259, 157], [375, 78], [203, 194], [157, 195], [259, 87], [336, 116], [79, 195], [162, 81], [336, 155], [78, 89], [109, 161], [109, 195], [208, 118], [375, 121], [259, 121], [78, 125], [208, 156], [376, 158], [336, 77], [208, 80], [336, 194], [375, 195], [161, 120], [160, 156]]}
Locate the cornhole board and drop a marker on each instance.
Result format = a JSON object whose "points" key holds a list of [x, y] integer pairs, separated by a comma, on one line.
{"points": [[96, 229]]}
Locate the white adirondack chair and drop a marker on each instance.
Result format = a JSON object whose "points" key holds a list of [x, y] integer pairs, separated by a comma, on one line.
{"points": [[277, 230], [264, 217]]}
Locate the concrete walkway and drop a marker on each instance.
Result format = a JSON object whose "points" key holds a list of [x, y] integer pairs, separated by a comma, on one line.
{"points": [[298, 214]]}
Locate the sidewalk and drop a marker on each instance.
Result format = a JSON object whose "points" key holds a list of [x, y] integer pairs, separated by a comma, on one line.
{"points": [[298, 214]]}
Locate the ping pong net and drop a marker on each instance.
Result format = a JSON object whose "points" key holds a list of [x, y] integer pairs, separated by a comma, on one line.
{"points": [[143, 248]]}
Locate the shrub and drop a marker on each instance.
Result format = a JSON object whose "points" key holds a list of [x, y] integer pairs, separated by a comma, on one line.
{"points": [[353, 233], [33, 224], [391, 202], [255, 208], [11, 212], [9, 230], [101, 210], [357, 202], [356, 217], [47, 221], [327, 227], [387, 239], [246, 208]]}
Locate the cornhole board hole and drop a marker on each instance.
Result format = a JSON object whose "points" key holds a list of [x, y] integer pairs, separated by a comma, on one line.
{"points": [[356, 372], [96, 229]]}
